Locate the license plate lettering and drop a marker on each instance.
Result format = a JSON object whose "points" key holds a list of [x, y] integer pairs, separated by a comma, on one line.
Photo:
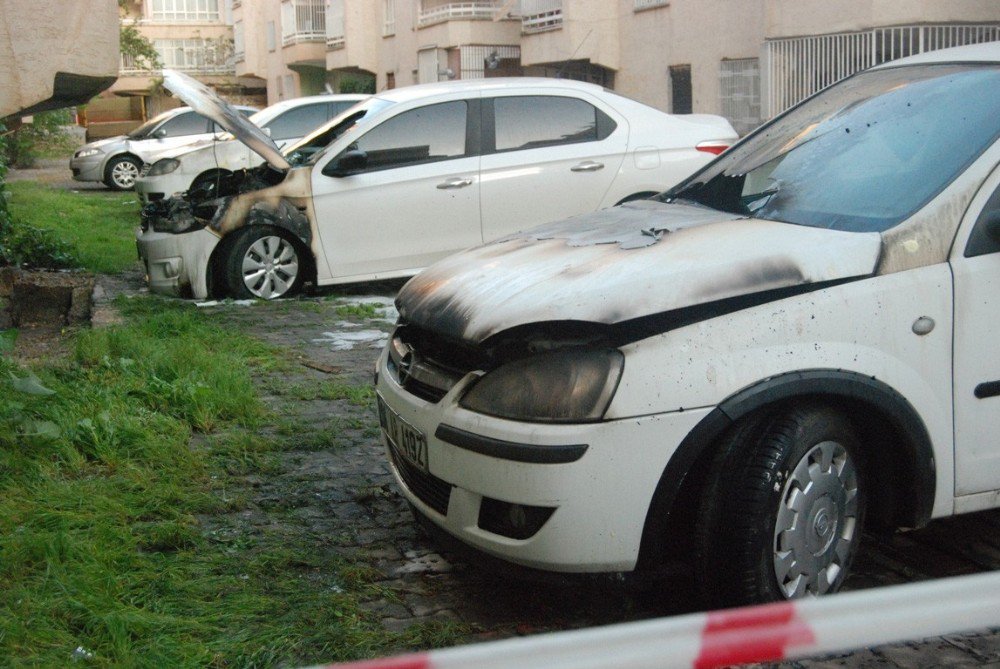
{"points": [[408, 442]]}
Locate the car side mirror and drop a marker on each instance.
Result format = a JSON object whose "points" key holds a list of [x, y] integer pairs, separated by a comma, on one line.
{"points": [[160, 134], [351, 162]]}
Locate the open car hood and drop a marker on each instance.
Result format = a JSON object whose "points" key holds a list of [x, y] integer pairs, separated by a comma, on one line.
{"points": [[639, 259], [200, 98]]}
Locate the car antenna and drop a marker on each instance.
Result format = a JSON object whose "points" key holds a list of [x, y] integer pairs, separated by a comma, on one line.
{"points": [[565, 63]]}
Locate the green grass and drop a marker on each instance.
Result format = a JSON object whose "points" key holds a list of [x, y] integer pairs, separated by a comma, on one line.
{"points": [[120, 535], [99, 225], [363, 310]]}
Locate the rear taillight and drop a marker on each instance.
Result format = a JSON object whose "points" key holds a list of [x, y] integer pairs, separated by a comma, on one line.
{"points": [[713, 146]]}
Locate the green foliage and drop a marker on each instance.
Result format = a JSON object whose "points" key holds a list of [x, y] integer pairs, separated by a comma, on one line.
{"points": [[135, 46], [98, 227], [358, 84], [25, 142], [31, 247], [362, 310]]}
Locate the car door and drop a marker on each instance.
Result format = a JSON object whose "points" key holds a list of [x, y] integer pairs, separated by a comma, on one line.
{"points": [[414, 199], [546, 157], [976, 269], [182, 129]]}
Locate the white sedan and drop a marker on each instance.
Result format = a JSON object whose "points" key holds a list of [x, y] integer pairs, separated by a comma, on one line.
{"points": [[410, 176]]}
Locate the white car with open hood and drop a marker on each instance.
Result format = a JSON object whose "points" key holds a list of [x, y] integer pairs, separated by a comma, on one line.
{"points": [[189, 166], [738, 376], [409, 176]]}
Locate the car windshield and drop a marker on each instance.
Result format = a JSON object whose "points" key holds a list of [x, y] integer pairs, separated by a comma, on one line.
{"points": [[143, 130], [861, 156], [308, 150]]}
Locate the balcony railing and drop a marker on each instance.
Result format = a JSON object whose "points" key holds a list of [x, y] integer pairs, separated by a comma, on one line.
{"points": [[303, 21], [192, 60], [458, 11], [649, 4], [540, 15]]}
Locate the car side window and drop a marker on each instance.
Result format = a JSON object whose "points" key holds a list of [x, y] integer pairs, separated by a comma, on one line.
{"points": [[424, 135], [298, 122], [533, 121], [187, 123], [983, 240], [338, 107]]}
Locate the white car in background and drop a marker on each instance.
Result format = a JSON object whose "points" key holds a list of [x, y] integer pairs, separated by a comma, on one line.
{"points": [[410, 176], [117, 161], [189, 166]]}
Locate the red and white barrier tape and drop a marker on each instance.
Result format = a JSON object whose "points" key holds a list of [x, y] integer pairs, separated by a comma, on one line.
{"points": [[766, 633]]}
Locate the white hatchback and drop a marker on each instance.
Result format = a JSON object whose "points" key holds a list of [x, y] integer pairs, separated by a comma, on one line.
{"points": [[738, 376], [410, 176]]}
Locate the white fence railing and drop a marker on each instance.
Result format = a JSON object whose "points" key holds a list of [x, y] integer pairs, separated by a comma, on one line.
{"points": [[768, 633], [482, 10], [303, 21], [795, 68], [540, 15], [193, 56], [647, 4]]}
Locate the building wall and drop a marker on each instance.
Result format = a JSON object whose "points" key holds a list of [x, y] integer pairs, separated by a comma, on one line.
{"points": [[793, 18], [590, 31], [78, 39]]}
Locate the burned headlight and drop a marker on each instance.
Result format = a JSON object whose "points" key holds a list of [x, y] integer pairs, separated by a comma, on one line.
{"points": [[163, 166], [173, 215], [570, 385]]}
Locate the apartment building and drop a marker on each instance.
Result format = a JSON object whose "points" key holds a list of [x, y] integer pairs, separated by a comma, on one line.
{"points": [[191, 36], [745, 59]]}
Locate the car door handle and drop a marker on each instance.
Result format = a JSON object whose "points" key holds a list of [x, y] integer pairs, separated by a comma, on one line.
{"points": [[457, 182], [587, 166]]}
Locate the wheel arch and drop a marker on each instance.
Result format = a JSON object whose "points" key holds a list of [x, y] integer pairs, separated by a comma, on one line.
{"points": [[120, 154], [217, 260], [903, 447]]}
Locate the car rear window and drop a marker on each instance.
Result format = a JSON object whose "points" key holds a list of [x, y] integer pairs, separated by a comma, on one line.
{"points": [[863, 155]]}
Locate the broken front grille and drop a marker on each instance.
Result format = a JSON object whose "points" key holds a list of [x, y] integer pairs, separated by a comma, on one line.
{"points": [[428, 488], [425, 366]]}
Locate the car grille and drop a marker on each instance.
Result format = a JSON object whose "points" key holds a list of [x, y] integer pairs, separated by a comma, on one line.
{"points": [[429, 489], [426, 367]]}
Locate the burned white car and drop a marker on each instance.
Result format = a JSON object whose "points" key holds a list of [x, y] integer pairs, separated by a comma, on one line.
{"points": [[409, 176], [739, 376]]}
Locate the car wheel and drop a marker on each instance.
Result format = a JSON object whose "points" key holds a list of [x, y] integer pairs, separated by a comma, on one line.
{"points": [[121, 172], [782, 514], [262, 262]]}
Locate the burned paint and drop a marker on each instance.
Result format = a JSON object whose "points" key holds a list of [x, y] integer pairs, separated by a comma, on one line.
{"points": [[578, 270]]}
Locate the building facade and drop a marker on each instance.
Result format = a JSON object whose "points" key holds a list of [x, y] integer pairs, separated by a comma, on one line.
{"points": [[744, 59]]}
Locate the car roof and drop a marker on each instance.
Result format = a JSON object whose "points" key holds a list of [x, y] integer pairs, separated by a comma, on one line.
{"points": [[309, 99], [973, 53], [407, 93]]}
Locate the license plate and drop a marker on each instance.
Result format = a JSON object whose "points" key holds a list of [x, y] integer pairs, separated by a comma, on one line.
{"points": [[406, 441]]}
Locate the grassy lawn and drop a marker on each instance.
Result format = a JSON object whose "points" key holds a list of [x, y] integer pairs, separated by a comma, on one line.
{"points": [[106, 506], [100, 225]]}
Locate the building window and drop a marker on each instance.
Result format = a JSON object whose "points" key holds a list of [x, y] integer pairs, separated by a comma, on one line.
{"points": [[239, 46], [390, 80], [178, 11], [272, 40], [204, 56], [303, 21], [478, 61], [388, 17], [739, 93], [680, 89]]}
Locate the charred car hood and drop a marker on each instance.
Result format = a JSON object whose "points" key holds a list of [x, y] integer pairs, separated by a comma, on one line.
{"points": [[200, 98], [632, 261]]}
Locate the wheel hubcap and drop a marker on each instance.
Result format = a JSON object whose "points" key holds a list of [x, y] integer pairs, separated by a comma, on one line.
{"points": [[270, 267], [815, 532], [124, 174]]}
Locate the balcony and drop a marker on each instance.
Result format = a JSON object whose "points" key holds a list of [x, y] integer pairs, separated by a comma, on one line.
{"points": [[649, 4], [540, 15], [303, 21], [431, 13], [193, 56]]}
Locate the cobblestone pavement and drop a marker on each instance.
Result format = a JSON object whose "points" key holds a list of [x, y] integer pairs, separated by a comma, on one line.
{"points": [[345, 494]]}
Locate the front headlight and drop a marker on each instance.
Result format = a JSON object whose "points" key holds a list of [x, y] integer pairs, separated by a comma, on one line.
{"points": [[163, 166], [571, 385], [87, 153]]}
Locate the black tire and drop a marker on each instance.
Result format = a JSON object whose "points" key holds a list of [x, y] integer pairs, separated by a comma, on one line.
{"points": [[263, 262], [121, 172], [800, 467]]}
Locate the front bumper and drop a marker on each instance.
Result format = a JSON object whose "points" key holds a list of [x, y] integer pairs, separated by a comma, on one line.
{"points": [[600, 500], [89, 168], [150, 189], [177, 264]]}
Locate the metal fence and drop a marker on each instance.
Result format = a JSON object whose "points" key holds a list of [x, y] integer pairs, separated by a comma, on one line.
{"points": [[476, 60], [795, 68], [194, 56], [481, 10]]}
